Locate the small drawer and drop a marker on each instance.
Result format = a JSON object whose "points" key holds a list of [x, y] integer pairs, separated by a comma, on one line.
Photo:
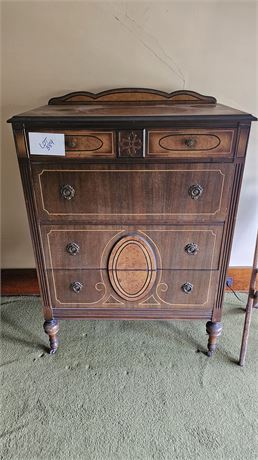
{"points": [[174, 247], [82, 143], [89, 144], [172, 289], [191, 143]]}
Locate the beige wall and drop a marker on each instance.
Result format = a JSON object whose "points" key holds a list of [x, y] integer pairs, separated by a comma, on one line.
{"points": [[50, 48]]}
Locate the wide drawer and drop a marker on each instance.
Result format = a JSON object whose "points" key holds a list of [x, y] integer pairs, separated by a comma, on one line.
{"points": [[172, 289], [173, 247], [140, 193], [191, 143]]}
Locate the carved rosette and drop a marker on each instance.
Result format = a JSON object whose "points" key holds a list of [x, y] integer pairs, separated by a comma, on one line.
{"points": [[132, 267], [130, 143]]}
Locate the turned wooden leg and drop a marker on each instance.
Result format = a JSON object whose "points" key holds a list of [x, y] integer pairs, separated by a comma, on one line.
{"points": [[51, 328], [214, 330]]}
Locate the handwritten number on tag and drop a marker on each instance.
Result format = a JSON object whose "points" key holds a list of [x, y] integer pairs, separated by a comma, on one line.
{"points": [[47, 144]]}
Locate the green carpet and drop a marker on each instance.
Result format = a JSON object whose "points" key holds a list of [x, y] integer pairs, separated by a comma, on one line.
{"points": [[126, 390]]}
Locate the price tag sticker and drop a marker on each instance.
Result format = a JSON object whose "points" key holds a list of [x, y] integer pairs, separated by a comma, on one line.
{"points": [[47, 144]]}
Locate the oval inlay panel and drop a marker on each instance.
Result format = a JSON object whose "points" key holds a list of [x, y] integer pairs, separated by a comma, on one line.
{"points": [[92, 143], [132, 267], [178, 142]]}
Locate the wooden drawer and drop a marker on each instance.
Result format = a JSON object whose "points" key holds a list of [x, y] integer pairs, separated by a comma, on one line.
{"points": [[137, 194], [168, 291], [177, 247], [85, 143], [191, 143], [90, 144]]}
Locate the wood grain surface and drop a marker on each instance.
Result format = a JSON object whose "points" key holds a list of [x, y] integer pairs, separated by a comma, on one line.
{"points": [[129, 193], [136, 221], [96, 242], [24, 281]]}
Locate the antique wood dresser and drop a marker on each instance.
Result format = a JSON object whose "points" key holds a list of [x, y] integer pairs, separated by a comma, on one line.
{"points": [[132, 197]]}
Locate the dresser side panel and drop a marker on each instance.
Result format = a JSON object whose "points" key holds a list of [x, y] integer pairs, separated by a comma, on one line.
{"points": [[228, 239], [24, 166], [242, 139], [240, 152], [20, 140]]}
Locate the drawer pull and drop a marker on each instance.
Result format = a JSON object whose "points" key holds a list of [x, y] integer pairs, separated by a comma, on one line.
{"points": [[76, 286], [190, 142], [67, 192], [187, 287], [73, 249], [195, 191], [71, 143], [191, 249]]}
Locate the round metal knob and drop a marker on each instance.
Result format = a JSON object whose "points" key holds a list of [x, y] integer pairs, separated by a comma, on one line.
{"points": [[67, 192], [187, 287], [73, 249], [190, 142], [71, 143], [76, 286], [195, 191], [191, 249]]}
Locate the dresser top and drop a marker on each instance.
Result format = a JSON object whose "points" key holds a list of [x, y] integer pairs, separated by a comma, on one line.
{"points": [[131, 104]]}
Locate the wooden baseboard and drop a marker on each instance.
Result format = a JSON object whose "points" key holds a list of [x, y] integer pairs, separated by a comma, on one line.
{"points": [[23, 281], [241, 278], [19, 281]]}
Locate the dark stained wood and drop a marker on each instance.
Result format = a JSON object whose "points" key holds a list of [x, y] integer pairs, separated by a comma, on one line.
{"points": [[131, 144], [51, 327], [227, 240], [167, 293], [190, 313], [99, 114], [90, 144], [20, 140], [24, 281], [187, 143], [84, 144], [214, 330], [169, 243], [19, 281], [171, 294], [35, 236], [243, 136], [133, 96], [177, 194], [133, 194]]}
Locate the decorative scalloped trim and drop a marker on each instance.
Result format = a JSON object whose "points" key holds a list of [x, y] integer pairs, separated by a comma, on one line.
{"points": [[133, 96]]}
